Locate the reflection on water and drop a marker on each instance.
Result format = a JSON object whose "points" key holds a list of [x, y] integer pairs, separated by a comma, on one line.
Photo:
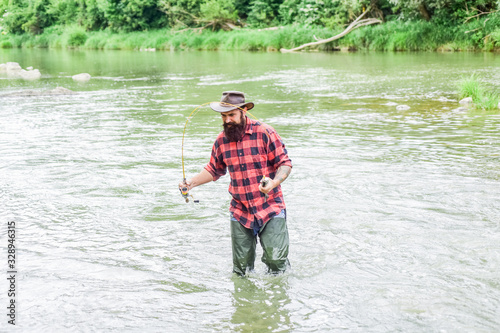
{"points": [[261, 305], [392, 214]]}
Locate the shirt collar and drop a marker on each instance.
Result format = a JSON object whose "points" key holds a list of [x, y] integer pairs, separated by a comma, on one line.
{"points": [[249, 126]]}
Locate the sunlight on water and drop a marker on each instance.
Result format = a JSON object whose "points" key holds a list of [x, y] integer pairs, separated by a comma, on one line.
{"points": [[393, 212]]}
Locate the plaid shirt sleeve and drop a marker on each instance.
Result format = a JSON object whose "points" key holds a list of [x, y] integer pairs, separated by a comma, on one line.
{"points": [[216, 167], [277, 154]]}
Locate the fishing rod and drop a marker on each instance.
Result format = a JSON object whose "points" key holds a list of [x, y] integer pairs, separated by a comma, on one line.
{"points": [[185, 190]]}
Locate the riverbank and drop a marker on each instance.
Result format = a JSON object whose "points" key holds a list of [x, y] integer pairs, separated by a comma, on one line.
{"points": [[479, 35]]}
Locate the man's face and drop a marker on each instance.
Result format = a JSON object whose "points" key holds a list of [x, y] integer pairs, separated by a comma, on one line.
{"points": [[234, 124], [233, 117]]}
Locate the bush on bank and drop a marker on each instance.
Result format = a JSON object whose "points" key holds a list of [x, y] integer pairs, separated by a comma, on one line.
{"points": [[482, 34], [134, 24], [35, 16]]}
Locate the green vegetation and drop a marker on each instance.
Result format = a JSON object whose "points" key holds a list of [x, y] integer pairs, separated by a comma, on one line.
{"points": [[482, 98], [446, 25]]}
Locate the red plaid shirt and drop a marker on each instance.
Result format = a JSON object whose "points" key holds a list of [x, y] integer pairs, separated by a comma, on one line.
{"points": [[259, 153]]}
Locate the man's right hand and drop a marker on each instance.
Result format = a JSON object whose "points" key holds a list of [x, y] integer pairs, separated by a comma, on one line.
{"points": [[203, 177], [186, 185]]}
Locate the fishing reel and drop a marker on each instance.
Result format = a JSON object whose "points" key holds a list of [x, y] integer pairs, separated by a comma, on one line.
{"points": [[264, 181], [185, 193]]}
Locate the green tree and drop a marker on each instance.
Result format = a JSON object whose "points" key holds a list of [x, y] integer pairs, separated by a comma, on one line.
{"points": [[243, 7], [443, 11], [264, 13], [129, 15], [25, 15], [217, 13], [64, 11], [180, 13], [93, 15], [329, 13]]}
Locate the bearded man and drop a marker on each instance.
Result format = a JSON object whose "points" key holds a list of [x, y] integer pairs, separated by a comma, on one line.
{"points": [[250, 150]]}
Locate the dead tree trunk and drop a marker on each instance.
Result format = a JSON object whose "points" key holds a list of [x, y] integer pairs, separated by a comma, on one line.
{"points": [[354, 25], [424, 12]]}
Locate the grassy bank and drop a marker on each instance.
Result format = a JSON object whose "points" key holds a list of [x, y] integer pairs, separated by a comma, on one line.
{"points": [[482, 96], [478, 35]]}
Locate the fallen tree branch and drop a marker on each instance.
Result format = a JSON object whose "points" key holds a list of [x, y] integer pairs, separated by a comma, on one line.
{"points": [[232, 26], [224, 25], [271, 28], [354, 25], [481, 13], [196, 30], [473, 30]]}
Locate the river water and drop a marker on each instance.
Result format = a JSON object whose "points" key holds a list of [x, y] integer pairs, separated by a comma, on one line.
{"points": [[393, 214]]}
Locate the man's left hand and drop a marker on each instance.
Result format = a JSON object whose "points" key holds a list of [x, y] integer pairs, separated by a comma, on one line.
{"points": [[271, 184]]}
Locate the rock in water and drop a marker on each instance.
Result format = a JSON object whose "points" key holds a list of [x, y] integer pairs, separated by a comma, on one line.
{"points": [[15, 71], [12, 67], [402, 107], [83, 77], [30, 75], [60, 91], [466, 100]]}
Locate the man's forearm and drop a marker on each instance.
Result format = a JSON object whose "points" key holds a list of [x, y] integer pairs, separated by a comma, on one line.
{"points": [[202, 178], [282, 173]]}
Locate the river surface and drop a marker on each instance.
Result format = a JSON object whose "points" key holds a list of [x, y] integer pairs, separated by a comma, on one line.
{"points": [[394, 215]]}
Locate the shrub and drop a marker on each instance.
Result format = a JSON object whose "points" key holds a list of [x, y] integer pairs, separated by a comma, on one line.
{"points": [[470, 87], [75, 37], [6, 44], [481, 97]]}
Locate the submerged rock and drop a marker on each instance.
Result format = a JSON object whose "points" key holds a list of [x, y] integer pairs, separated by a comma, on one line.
{"points": [[402, 107], [30, 75], [391, 104], [14, 71], [12, 67], [29, 93], [83, 77], [466, 100], [61, 91]]}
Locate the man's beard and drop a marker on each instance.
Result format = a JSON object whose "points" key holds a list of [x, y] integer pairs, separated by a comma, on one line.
{"points": [[234, 133]]}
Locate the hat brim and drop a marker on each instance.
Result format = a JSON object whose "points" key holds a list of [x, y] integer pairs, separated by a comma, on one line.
{"points": [[224, 107]]}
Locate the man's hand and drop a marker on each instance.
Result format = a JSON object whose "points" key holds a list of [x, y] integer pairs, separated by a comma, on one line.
{"points": [[184, 188], [267, 184], [270, 185], [203, 177], [186, 184]]}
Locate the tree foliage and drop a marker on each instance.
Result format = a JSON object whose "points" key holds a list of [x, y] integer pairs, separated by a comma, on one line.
{"points": [[33, 16], [445, 11]]}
